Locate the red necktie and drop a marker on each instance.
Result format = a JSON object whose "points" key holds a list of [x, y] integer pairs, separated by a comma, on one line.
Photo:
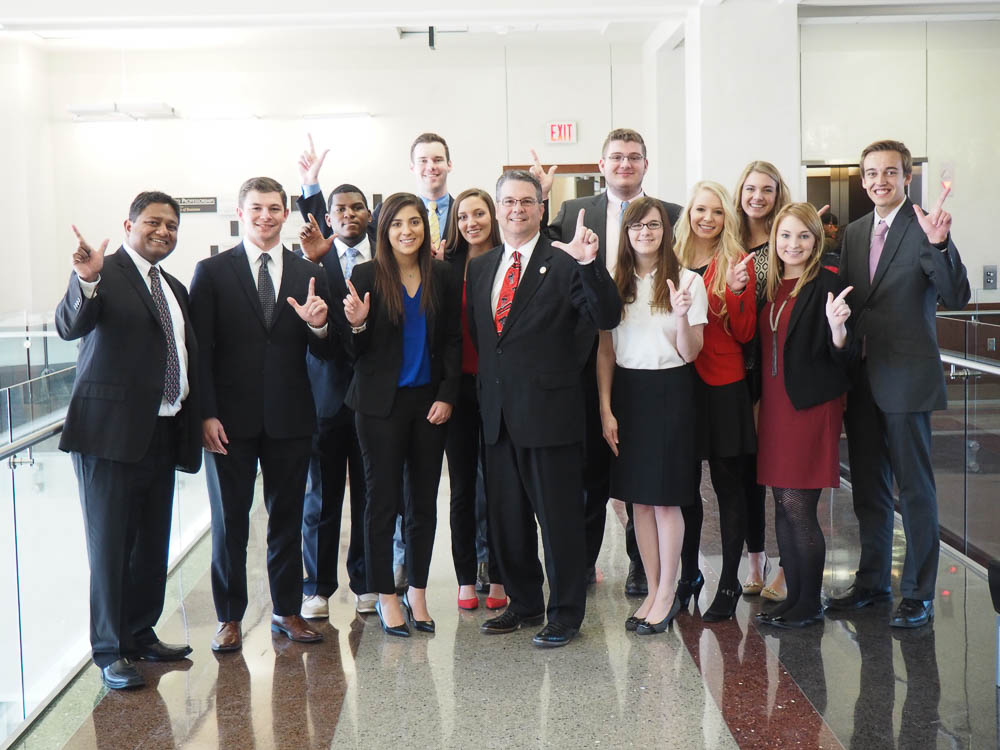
{"points": [[878, 242], [510, 282]]}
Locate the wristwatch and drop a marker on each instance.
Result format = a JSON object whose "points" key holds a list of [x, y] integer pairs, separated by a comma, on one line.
{"points": [[360, 328]]}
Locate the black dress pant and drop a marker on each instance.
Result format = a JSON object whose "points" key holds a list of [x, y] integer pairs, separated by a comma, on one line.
{"points": [[231, 478], [336, 455], [404, 437], [466, 459], [126, 515], [883, 446], [525, 483]]}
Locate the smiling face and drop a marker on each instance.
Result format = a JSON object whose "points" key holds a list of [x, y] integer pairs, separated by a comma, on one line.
{"points": [[795, 246], [758, 195], [474, 220], [646, 235], [519, 211], [429, 163], [153, 235], [262, 216], [883, 179], [708, 217], [623, 166], [406, 233]]}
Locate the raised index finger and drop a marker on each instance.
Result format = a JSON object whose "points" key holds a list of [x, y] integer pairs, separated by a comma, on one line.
{"points": [[535, 158], [940, 200], [690, 282], [579, 221], [354, 292], [312, 286], [844, 293], [749, 259], [312, 148]]}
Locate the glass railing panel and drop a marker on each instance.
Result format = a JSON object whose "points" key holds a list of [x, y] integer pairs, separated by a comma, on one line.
{"points": [[4, 417], [949, 458], [952, 334], [39, 402], [983, 466], [984, 340], [12, 710], [191, 512], [53, 570]]}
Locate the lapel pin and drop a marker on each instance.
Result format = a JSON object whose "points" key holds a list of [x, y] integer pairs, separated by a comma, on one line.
{"points": [[543, 269]]}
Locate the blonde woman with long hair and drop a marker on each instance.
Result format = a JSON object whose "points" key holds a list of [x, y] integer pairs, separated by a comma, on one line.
{"points": [[707, 242]]}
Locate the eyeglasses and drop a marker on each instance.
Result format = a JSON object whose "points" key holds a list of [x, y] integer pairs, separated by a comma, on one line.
{"points": [[524, 202], [619, 158], [652, 226]]}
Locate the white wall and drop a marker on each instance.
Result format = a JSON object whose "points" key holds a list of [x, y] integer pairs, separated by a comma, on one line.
{"points": [[931, 85]]}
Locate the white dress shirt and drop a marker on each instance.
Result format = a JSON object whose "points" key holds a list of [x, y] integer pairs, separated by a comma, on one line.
{"points": [[613, 228], [646, 339], [506, 262], [887, 219], [364, 248], [274, 267]]}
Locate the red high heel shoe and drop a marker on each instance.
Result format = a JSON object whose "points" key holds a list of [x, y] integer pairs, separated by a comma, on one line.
{"points": [[492, 603], [470, 604]]}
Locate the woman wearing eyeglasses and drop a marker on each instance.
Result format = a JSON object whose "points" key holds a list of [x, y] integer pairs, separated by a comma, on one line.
{"points": [[473, 227], [406, 337], [707, 242], [647, 395]]}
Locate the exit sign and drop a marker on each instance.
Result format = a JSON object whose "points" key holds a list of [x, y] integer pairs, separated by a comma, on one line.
{"points": [[562, 132]]}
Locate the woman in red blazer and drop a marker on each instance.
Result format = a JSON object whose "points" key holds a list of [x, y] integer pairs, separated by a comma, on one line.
{"points": [[707, 241]]}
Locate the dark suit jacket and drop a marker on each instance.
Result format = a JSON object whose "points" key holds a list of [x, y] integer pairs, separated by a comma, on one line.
{"points": [[331, 377], [379, 348], [815, 371], [531, 374], [254, 378], [595, 217], [123, 356], [444, 226], [894, 313]]}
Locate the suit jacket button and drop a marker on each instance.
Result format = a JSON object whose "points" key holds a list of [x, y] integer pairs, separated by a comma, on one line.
{"points": [[499, 350], [498, 381]]}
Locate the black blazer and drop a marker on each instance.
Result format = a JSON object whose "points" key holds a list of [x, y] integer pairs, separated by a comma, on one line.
{"points": [[530, 376], [119, 377], [595, 217], [815, 370], [378, 350], [254, 378], [894, 313]]}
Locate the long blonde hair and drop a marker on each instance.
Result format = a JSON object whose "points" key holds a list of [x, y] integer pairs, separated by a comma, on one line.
{"points": [[728, 248], [781, 197], [807, 214]]}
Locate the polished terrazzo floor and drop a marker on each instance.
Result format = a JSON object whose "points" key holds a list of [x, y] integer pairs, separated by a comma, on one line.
{"points": [[850, 682]]}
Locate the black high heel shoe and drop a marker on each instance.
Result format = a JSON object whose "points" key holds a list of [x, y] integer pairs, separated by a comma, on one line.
{"points": [[687, 589], [648, 628], [402, 631], [424, 626], [723, 606]]}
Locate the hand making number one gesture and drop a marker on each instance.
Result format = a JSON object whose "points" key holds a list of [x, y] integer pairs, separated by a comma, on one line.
{"points": [[314, 245], [310, 163], [837, 313], [356, 309], [680, 299], [738, 275], [583, 246], [314, 310], [544, 178], [937, 223], [88, 262]]}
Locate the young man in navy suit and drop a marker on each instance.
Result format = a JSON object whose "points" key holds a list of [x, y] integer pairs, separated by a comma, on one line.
{"points": [[901, 263], [132, 420], [337, 243], [257, 309]]}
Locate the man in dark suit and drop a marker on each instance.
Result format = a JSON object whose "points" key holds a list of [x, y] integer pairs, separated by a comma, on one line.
{"points": [[901, 263], [133, 418], [623, 164], [336, 453], [257, 404], [534, 308]]}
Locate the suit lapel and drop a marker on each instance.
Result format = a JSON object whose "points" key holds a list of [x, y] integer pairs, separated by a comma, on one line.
{"points": [[892, 242], [291, 282], [487, 292], [241, 267], [531, 280], [135, 279], [596, 218], [801, 304]]}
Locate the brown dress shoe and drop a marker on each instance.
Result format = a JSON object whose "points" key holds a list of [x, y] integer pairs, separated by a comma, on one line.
{"points": [[228, 637], [295, 628]]}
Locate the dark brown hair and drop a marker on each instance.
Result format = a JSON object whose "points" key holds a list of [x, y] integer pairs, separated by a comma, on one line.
{"points": [[388, 282], [623, 134], [457, 243], [430, 138], [262, 185], [667, 266], [897, 146]]}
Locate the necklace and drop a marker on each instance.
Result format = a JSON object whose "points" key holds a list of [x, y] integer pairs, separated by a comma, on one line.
{"points": [[773, 320]]}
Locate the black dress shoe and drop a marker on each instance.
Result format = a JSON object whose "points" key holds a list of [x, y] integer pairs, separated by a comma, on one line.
{"points": [[401, 631], [424, 626], [857, 597], [554, 635], [648, 628], [687, 589], [794, 624], [508, 622], [632, 623], [912, 613], [122, 674], [635, 581], [724, 605], [160, 651]]}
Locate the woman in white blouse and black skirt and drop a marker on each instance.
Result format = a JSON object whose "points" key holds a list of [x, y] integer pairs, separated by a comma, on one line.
{"points": [[646, 384]]}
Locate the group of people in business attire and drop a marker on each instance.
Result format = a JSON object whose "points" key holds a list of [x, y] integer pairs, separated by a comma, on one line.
{"points": [[603, 355]]}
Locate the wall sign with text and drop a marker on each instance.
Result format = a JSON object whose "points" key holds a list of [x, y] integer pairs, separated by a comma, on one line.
{"points": [[561, 132], [198, 205]]}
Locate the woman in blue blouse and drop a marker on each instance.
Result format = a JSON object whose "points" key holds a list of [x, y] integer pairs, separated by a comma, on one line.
{"points": [[404, 332]]}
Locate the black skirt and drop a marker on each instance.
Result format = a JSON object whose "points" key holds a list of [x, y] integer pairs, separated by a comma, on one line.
{"points": [[656, 458], [725, 420]]}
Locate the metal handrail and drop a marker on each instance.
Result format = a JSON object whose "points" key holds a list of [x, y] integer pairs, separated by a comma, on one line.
{"points": [[970, 364], [32, 438]]}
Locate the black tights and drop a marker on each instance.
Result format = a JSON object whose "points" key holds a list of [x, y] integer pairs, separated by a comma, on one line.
{"points": [[802, 548], [728, 483]]}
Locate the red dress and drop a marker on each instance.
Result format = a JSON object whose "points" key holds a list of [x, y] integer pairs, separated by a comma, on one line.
{"points": [[795, 449]]}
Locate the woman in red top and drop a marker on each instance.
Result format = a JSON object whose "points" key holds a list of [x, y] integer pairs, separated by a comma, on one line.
{"points": [[474, 231], [707, 242]]}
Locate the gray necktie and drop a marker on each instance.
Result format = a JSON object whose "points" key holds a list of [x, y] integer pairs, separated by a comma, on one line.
{"points": [[621, 216], [265, 289], [172, 375]]}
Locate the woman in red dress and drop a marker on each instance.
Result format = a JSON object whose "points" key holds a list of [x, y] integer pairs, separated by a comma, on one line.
{"points": [[804, 353]]}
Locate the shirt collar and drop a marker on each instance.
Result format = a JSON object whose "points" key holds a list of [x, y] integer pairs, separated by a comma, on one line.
{"points": [[891, 217], [141, 263], [254, 253], [525, 250], [363, 247], [442, 202], [616, 200]]}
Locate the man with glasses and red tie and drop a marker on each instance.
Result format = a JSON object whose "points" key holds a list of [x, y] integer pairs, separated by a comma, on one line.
{"points": [[901, 263], [534, 308]]}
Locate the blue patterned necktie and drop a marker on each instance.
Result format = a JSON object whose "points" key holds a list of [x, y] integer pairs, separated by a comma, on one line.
{"points": [[172, 374], [265, 289], [352, 258]]}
